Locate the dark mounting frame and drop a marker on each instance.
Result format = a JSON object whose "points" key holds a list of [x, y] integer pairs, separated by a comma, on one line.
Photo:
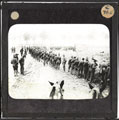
{"points": [[66, 109]]}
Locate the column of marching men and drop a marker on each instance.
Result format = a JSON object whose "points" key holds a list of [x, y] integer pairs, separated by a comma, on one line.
{"points": [[92, 72], [81, 68]]}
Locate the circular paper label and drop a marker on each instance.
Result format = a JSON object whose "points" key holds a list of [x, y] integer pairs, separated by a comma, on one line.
{"points": [[107, 11], [14, 15]]}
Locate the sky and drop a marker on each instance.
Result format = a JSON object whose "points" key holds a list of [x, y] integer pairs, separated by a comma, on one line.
{"points": [[49, 35]]}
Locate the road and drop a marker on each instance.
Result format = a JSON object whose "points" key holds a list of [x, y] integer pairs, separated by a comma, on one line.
{"points": [[34, 84]]}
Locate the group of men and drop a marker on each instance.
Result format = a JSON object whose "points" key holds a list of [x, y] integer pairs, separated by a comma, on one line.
{"points": [[48, 58], [16, 61], [88, 70], [91, 71]]}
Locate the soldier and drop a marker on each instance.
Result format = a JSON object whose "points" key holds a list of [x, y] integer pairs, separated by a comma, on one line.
{"points": [[14, 62], [52, 60], [81, 64], [94, 65], [108, 74], [58, 62], [86, 68], [44, 58], [64, 62], [89, 72], [25, 52], [21, 51], [21, 61], [55, 60], [72, 64], [75, 65], [69, 63], [16, 56], [105, 73], [48, 58]]}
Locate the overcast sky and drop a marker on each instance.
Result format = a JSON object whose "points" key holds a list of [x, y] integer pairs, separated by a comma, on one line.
{"points": [[59, 35]]}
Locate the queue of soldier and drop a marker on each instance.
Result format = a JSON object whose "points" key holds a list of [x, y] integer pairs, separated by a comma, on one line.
{"points": [[81, 68], [16, 61], [92, 72]]}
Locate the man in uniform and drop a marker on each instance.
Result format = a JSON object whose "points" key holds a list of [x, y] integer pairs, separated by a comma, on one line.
{"points": [[75, 66], [86, 68], [21, 61], [81, 65], [58, 62], [69, 63], [94, 66], [89, 72], [14, 62], [21, 51], [64, 63], [72, 64], [25, 52]]}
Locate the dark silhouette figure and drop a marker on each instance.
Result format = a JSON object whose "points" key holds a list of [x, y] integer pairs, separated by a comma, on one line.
{"points": [[21, 61], [21, 51], [14, 63]]}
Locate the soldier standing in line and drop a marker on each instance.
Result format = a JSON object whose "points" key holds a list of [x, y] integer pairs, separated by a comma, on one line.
{"points": [[104, 74], [75, 66], [108, 74], [21, 61], [94, 66], [81, 68], [89, 72], [72, 64], [25, 52], [44, 58], [14, 62], [86, 68], [52, 60], [69, 63], [58, 61], [21, 51], [48, 58], [64, 63], [55, 60]]}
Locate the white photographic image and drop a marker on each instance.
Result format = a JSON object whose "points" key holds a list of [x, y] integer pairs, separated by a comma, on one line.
{"points": [[59, 61]]}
